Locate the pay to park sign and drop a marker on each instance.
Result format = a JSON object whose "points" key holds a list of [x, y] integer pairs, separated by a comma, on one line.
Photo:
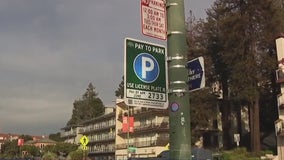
{"points": [[145, 74]]}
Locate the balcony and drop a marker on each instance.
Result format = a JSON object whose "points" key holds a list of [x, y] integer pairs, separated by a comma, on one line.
{"points": [[280, 76], [68, 134], [153, 128], [153, 143], [101, 151], [107, 138], [142, 112], [280, 102], [279, 127], [98, 129], [156, 112]]}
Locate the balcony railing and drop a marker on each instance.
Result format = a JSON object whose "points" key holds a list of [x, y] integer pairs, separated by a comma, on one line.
{"points": [[101, 150], [103, 139], [279, 127], [280, 75], [68, 134], [280, 101], [96, 129], [162, 127], [142, 112], [153, 143]]}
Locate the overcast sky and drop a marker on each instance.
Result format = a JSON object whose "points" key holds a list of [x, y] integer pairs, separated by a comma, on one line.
{"points": [[50, 50]]}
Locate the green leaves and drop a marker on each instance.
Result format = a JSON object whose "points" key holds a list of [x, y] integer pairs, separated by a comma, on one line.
{"points": [[237, 41], [90, 106]]}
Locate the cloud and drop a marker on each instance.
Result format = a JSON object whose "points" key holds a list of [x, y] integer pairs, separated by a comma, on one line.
{"points": [[50, 51]]}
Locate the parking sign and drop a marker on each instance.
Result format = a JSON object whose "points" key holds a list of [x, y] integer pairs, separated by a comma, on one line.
{"points": [[145, 73], [153, 18]]}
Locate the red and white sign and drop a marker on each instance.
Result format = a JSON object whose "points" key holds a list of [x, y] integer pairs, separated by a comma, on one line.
{"points": [[127, 124], [20, 142], [153, 18]]}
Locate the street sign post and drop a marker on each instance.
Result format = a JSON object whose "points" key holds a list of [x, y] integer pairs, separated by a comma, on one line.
{"points": [[196, 74], [84, 141], [153, 18], [145, 74]]}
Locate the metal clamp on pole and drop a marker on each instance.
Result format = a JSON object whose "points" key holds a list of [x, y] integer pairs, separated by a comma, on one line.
{"points": [[178, 82], [169, 58], [171, 4], [178, 92], [177, 66], [174, 32]]}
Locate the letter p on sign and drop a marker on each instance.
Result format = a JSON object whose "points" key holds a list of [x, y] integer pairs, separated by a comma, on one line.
{"points": [[146, 68]]}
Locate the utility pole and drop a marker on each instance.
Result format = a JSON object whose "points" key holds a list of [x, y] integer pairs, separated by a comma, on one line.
{"points": [[179, 110]]}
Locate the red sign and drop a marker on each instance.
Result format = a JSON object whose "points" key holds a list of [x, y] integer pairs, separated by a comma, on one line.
{"points": [[124, 125], [20, 142], [128, 126], [131, 124], [153, 18]]}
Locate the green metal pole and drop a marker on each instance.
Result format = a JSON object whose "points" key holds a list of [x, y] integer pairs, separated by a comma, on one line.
{"points": [[179, 114]]}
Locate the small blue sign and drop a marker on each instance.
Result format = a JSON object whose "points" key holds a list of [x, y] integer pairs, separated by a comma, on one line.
{"points": [[196, 74], [146, 67]]}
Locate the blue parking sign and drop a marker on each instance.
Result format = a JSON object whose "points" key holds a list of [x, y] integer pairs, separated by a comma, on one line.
{"points": [[145, 74]]}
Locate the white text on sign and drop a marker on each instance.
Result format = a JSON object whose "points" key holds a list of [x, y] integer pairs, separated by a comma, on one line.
{"points": [[132, 93], [149, 48]]}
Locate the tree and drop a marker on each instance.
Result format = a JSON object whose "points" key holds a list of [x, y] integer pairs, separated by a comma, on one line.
{"points": [[56, 137], [119, 92], [49, 156], [202, 102], [26, 137], [240, 40], [77, 155], [32, 151], [202, 112], [90, 106], [10, 148], [61, 147]]}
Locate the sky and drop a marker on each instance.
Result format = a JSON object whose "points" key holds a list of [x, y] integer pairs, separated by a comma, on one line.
{"points": [[50, 50]]}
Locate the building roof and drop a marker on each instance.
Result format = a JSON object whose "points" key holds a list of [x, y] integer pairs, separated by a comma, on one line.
{"points": [[6, 136], [99, 118], [43, 140], [46, 140], [70, 126]]}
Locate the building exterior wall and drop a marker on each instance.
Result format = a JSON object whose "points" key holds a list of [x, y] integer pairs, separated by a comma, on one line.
{"points": [[151, 132], [279, 124], [101, 134], [71, 134], [108, 142]]}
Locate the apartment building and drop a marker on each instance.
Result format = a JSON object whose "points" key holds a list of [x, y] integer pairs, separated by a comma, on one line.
{"points": [[101, 134], [150, 132], [71, 134], [107, 141], [279, 124]]}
